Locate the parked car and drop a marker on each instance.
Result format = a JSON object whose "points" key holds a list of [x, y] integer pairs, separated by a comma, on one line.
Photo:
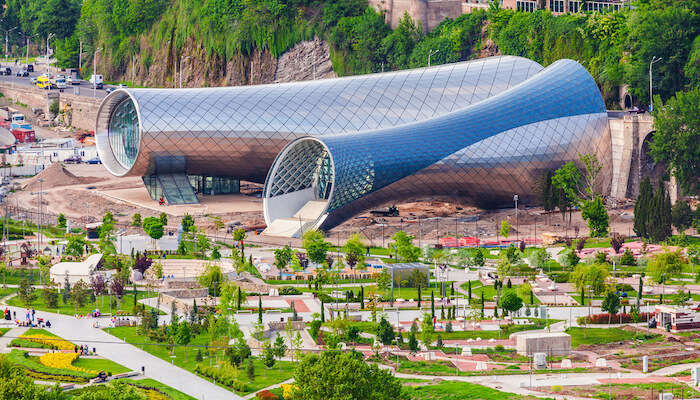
{"points": [[23, 73], [6, 71], [95, 160], [96, 80], [73, 81], [73, 160], [109, 90], [30, 67]]}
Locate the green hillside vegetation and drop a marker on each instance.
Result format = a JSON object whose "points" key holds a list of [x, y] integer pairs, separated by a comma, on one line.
{"points": [[615, 47]]}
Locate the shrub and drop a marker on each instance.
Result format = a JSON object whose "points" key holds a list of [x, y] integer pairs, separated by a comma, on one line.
{"points": [[595, 319], [266, 395], [52, 342], [21, 358], [289, 291], [225, 374], [627, 258]]}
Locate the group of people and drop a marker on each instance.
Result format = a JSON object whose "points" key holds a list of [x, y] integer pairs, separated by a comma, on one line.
{"points": [[30, 319], [83, 350]]}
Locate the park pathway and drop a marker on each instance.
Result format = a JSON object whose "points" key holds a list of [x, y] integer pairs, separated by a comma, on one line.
{"points": [[81, 331]]}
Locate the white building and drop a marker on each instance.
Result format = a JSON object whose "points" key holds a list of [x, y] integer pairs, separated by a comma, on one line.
{"points": [[75, 271]]}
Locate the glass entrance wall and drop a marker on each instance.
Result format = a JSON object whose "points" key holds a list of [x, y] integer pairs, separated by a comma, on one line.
{"points": [[123, 133], [215, 184]]}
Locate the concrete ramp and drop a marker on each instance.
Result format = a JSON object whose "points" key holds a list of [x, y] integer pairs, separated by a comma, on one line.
{"points": [[286, 227], [311, 210]]}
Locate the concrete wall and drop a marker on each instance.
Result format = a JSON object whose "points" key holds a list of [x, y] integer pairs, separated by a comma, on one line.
{"points": [[628, 133], [83, 108], [429, 12], [554, 344]]}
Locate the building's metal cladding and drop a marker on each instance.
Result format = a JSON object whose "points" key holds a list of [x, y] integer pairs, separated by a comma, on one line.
{"points": [[482, 153], [238, 131]]}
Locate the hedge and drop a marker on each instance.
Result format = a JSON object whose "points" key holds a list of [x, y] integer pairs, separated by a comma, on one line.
{"points": [[595, 319], [20, 358], [222, 375]]}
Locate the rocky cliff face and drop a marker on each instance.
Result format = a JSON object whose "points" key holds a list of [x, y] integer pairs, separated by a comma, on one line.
{"points": [[196, 68]]}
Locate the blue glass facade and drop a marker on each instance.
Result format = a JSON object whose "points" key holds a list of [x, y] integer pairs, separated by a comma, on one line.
{"points": [[485, 152]]}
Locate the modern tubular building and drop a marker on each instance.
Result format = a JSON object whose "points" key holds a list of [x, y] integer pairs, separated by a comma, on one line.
{"points": [[477, 131], [187, 141]]}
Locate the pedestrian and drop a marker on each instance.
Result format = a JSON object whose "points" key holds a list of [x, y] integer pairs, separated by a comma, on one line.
{"points": [[76, 348], [143, 370]]}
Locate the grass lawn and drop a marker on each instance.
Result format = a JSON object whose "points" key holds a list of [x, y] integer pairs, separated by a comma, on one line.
{"points": [[581, 336], [448, 390], [490, 292], [102, 303], [100, 364], [13, 276], [3, 331], [7, 291], [185, 357], [174, 394]]}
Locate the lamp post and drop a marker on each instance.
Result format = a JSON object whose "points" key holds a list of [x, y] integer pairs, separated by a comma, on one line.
{"points": [[7, 40], [182, 58], [94, 69], [651, 89], [517, 225], [47, 51], [26, 57], [430, 54]]}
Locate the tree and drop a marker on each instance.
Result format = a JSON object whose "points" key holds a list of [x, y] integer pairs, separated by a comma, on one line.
{"points": [[641, 208], [402, 246], [335, 375], [681, 216], [163, 218], [50, 295], [239, 236], [611, 304], [659, 223], [596, 216], [188, 224], [79, 294], [568, 180], [153, 228], [510, 301], [385, 332], [313, 241], [591, 276], [682, 296], [279, 347], [250, 370], [354, 250], [479, 257], [75, 246], [183, 335], [399, 44], [212, 278], [666, 265], [26, 292], [61, 221], [282, 256], [383, 280], [504, 230], [627, 258], [616, 241], [268, 354], [136, 219], [427, 330]]}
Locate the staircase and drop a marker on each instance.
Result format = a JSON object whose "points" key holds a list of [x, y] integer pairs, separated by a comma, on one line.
{"points": [[303, 220], [177, 189]]}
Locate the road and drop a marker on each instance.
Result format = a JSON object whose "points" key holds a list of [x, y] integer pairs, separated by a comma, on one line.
{"points": [[81, 331], [84, 89]]}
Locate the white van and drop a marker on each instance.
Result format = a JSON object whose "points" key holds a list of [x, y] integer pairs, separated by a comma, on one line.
{"points": [[96, 80], [60, 83]]}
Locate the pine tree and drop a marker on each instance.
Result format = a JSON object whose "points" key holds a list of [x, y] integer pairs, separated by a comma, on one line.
{"points": [[442, 313], [432, 304], [469, 291], [362, 297], [641, 208], [323, 312], [419, 296], [659, 223], [583, 297], [238, 299], [250, 370], [260, 319]]}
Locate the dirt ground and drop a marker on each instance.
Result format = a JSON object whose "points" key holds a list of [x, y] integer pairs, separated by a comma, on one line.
{"points": [[619, 392], [90, 190]]}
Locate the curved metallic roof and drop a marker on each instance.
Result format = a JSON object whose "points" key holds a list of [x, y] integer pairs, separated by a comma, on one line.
{"points": [[237, 131]]}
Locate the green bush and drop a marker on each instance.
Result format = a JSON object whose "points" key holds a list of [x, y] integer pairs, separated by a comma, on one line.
{"points": [[54, 108], [225, 374], [22, 359]]}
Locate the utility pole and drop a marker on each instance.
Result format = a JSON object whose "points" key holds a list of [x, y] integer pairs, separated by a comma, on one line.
{"points": [[181, 58], [430, 54], [651, 89], [40, 216], [47, 51], [80, 57], [7, 41], [94, 69]]}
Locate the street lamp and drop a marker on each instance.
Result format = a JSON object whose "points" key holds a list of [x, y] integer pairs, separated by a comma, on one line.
{"points": [[47, 51], [94, 66], [430, 54], [26, 58], [7, 34], [181, 58], [517, 225], [651, 89]]}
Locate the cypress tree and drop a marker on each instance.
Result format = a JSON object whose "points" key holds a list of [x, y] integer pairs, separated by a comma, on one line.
{"points": [[668, 230], [532, 297], [641, 208], [547, 202], [469, 291], [639, 293], [362, 297], [419, 297], [260, 309], [583, 297], [432, 304], [482, 305], [238, 299], [323, 312]]}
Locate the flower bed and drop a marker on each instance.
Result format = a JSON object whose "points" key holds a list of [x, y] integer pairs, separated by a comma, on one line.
{"points": [[52, 342], [614, 319], [62, 361], [48, 372], [226, 375]]}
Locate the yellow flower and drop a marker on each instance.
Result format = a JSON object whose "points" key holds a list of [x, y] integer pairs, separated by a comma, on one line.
{"points": [[51, 341], [62, 361]]}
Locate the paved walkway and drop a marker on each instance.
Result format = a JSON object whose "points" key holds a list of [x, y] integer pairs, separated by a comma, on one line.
{"points": [[9, 336], [80, 331]]}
